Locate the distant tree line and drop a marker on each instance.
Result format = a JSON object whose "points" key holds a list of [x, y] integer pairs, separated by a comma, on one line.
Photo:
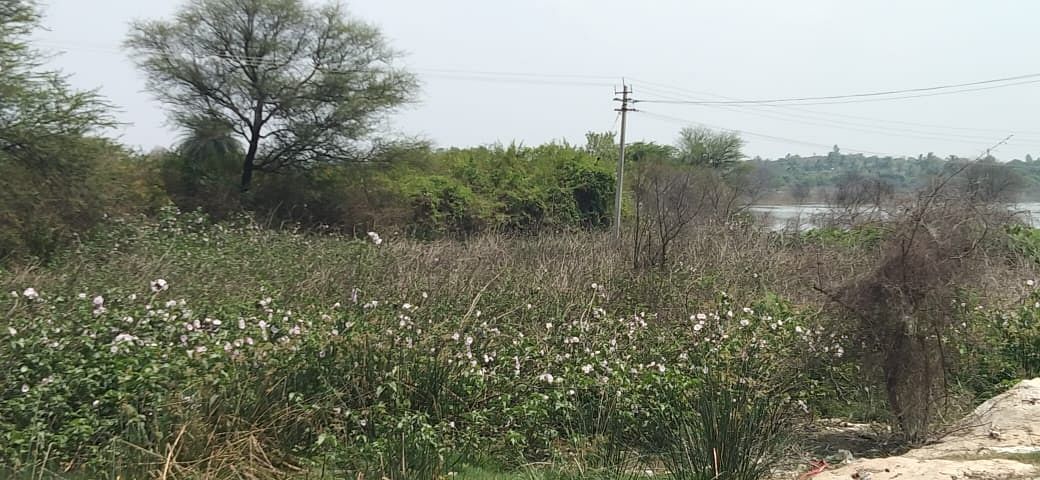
{"points": [[815, 177]]}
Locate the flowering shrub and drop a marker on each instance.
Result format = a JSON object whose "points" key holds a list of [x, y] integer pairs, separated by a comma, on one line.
{"points": [[996, 347], [223, 345], [394, 386]]}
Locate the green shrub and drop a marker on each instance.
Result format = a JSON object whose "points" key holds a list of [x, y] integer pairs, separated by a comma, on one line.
{"points": [[443, 206], [46, 205], [399, 383]]}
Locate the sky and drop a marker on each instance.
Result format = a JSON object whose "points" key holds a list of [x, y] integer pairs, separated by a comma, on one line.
{"points": [[555, 64]]}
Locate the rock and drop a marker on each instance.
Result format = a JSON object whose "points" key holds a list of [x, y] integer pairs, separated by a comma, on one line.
{"points": [[983, 446]]}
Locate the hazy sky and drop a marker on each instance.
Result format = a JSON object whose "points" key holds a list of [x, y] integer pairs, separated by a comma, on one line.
{"points": [[667, 49]]}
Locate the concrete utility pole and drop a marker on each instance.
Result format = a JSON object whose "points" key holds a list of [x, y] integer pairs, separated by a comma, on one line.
{"points": [[619, 187]]}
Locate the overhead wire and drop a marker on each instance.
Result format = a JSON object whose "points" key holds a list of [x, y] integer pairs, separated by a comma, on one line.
{"points": [[688, 122], [858, 127], [887, 121], [883, 95], [452, 74], [729, 104]]}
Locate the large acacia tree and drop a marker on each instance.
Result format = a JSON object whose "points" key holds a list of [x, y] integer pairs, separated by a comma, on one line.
{"points": [[298, 84]]}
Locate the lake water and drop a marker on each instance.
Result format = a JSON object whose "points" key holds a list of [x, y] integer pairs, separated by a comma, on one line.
{"points": [[779, 217]]}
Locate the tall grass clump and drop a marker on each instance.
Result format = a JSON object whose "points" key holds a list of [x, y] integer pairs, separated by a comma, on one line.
{"points": [[724, 430]]}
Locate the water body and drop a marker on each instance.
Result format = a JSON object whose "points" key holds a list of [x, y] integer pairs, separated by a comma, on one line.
{"points": [[779, 217]]}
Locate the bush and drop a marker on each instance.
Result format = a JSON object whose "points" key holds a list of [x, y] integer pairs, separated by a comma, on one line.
{"points": [[442, 206], [459, 192], [46, 205], [252, 372]]}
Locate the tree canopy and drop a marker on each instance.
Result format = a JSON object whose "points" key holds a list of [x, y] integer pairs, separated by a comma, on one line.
{"points": [[702, 146], [37, 107], [299, 85]]}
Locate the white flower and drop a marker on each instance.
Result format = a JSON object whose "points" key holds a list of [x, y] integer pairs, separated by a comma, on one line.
{"points": [[469, 341], [12, 331], [374, 237], [99, 301], [124, 337], [571, 392], [745, 322], [216, 322], [798, 329], [31, 294], [455, 336], [698, 327], [546, 377], [25, 388], [702, 317], [81, 296], [1030, 282], [548, 326], [241, 324], [586, 369], [159, 285]]}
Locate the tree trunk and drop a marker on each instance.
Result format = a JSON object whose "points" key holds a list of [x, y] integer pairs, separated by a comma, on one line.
{"points": [[247, 166], [254, 144]]}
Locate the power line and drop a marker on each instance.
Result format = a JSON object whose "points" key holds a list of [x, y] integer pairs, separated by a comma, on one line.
{"points": [[865, 96], [859, 127], [558, 79], [520, 74], [517, 80], [451, 74], [754, 134], [683, 91]]}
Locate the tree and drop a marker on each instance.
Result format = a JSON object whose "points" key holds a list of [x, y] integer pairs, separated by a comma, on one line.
{"points": [[37, 108], [702, 146], [53, 181], [800, 191], [299, 85], [649, 151], [601, 145], [201, 171]]}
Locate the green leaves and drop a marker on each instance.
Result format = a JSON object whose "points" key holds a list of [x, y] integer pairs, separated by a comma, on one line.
{"points": [[298, 85]]}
